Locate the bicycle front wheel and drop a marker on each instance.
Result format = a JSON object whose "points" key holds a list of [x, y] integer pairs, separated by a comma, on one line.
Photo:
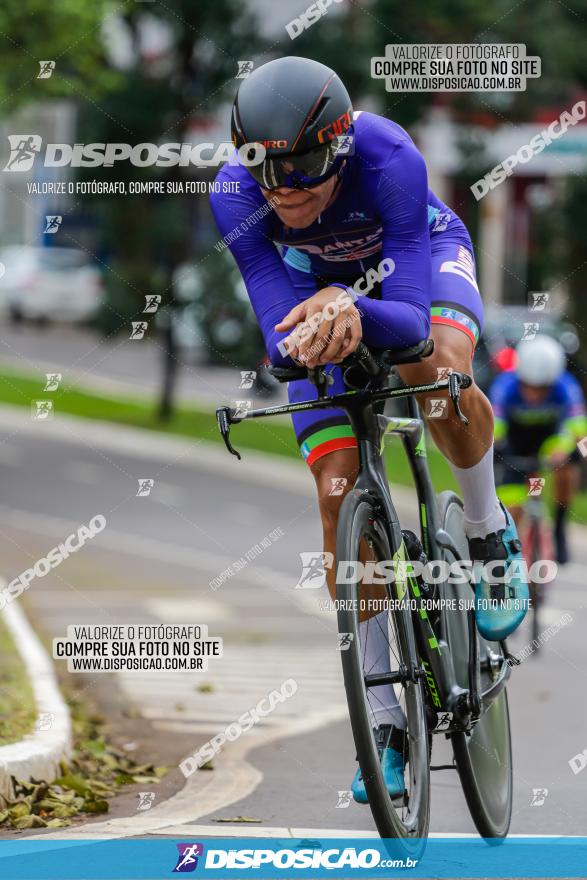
{"points": [[483, 759], [361, 532]]}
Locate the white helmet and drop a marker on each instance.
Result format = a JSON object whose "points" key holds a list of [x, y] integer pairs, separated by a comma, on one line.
{"points": [[540, 360]]}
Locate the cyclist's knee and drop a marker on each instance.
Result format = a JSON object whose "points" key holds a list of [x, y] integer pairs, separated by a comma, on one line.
{"points": [[452, 351]]}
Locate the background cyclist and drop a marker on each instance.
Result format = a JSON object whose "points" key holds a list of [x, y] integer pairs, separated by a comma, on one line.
{"points": [[539, 411]]}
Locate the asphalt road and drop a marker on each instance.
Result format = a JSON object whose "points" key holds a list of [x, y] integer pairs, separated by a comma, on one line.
{"points": [[154, 562]]}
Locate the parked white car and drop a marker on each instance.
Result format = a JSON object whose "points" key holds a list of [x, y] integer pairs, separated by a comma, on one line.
{"points": [[54, 284]]}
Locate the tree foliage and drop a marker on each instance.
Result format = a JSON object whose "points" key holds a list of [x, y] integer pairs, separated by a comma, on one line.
{"points": [[64, 31]]}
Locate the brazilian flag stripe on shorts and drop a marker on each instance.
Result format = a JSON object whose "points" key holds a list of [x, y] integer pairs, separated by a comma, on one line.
{"points": [[326, 435], [454, 317]]}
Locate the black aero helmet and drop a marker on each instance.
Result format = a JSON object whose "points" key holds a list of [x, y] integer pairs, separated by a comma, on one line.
{"points": [[295, 116]]}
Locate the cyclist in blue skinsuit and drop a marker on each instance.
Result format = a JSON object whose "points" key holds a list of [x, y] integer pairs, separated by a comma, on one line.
{"points": [[332, 199], [539, 411]]}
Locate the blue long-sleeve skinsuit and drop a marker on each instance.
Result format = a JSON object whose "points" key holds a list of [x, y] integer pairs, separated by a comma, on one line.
{"points": [[383, 209]]}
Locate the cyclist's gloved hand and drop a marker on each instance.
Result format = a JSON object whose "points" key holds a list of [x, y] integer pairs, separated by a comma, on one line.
{"points": [[327, 328]]}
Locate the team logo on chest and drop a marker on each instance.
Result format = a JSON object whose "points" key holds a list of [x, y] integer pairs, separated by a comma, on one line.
{"points": [[345, 249]]}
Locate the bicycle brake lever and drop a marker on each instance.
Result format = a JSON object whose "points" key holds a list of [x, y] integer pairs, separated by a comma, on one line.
{"points": [[225, 420], [454, 389]]}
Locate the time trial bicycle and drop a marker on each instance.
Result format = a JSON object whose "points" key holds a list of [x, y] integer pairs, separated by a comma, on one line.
{"points": [[449, 680]]}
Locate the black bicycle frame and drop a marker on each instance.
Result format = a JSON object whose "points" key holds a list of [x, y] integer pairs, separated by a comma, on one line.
{"points": [[444, 691], [369, 428]]}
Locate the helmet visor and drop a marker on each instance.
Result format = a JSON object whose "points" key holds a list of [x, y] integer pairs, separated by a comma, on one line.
{"points": [[298, 172]]}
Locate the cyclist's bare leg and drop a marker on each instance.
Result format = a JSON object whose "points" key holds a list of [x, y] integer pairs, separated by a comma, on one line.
{"points": [[468, 448], [340, 463], [517, 514], [566, 479], [462, 444], [373, 628]]}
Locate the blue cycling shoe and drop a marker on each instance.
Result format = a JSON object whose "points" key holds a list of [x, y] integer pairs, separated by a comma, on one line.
{"points": [[392, 764], [500, 606]]}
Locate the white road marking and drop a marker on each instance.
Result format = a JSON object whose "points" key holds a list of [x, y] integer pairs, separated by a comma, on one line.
{"points": [[224, 829], [178, 727], [172, 610], [263, 669], [175, 554]]}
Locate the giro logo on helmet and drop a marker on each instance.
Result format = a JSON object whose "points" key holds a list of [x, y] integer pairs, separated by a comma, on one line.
{"points": [[336, 128]]}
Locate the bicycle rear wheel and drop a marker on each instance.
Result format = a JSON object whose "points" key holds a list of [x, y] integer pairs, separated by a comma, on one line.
{"points": [[483, 759], [359, 522]]}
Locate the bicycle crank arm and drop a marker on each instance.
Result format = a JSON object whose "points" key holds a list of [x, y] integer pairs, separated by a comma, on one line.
{"points": [[444, 540], [474, 701], [402, 676]]}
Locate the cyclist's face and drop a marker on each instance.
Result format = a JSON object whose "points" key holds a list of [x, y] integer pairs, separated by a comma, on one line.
{"points": [[300, 207], [534, 394]]}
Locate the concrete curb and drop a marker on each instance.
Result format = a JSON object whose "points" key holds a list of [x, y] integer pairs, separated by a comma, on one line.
{"points": [[37, 756], [256, 467]]}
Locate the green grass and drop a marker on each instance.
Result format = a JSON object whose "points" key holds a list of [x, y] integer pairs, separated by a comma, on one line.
{"points": [[191, 422], [264, 435], [17, 705]]}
